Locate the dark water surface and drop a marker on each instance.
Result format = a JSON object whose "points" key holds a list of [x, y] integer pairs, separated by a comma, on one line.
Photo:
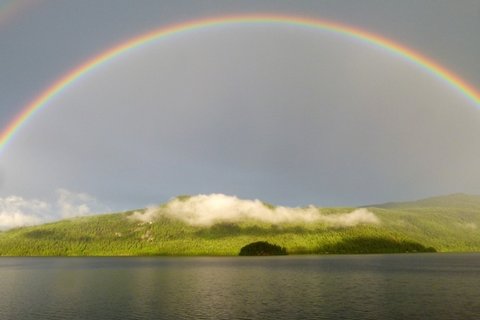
{"points": [[415, 286]]}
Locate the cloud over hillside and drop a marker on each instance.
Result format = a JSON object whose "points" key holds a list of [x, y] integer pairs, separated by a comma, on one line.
{"points": [[206, 210]]}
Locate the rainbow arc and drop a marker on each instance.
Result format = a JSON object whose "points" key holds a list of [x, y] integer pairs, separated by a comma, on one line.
{"points": [[423, 62]]}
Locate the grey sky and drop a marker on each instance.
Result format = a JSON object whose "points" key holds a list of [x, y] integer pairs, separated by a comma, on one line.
{"points": [[287, 115]]}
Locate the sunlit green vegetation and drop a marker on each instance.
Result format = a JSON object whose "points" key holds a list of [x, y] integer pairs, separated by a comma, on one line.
{"points": [[444, 225]]}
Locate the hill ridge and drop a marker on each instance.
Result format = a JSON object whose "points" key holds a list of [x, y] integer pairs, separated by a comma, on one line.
{"points": [[445, 201], [446, 224]]}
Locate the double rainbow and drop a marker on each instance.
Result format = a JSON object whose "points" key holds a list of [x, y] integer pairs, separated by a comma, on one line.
{"points": [[425, 63]]}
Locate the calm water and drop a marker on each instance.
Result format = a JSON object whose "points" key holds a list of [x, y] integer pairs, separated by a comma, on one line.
{"points": [[417, 286]]}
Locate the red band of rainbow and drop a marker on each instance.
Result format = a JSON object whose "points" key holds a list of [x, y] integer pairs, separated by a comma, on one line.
{"points": [[451, 79]]}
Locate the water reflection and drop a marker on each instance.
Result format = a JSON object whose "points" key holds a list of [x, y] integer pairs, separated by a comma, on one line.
{"points": [[341, 287]]}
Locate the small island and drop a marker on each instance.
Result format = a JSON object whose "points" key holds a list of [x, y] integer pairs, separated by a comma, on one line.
{"points": [[262, 248]]}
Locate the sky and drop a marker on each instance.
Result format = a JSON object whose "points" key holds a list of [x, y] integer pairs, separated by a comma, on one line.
{"points": [[289, 115]]}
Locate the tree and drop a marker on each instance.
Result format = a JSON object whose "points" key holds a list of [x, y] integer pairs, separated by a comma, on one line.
{"points": [[262, 248]]}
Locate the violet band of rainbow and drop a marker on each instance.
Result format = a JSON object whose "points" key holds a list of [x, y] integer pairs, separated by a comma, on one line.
{"points": [[423, 62]]}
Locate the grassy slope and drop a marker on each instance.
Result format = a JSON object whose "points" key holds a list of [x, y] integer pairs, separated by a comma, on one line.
{"points": [[448, 223], [445, 223]]}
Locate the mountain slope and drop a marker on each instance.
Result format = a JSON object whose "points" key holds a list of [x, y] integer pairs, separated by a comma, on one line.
{"points": [[456, 201], [444, 223]]}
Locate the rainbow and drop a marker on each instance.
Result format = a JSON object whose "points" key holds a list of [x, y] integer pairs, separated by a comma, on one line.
{"points": [[423, 62]]}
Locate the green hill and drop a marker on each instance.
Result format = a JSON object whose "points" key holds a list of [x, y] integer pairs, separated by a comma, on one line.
{"points": [[454, 201], [445, 224]]}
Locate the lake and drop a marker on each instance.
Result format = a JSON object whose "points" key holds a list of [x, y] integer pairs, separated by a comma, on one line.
{"points": [[403, 286]]}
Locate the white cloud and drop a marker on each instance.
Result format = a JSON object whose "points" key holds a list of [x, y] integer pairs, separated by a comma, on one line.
{"points": [[358, 216], [70, 204], [200, 210], [16, 211], [205, 210]]}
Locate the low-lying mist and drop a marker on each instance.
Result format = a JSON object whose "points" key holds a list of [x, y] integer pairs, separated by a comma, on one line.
{"points": [[206, 210]]}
